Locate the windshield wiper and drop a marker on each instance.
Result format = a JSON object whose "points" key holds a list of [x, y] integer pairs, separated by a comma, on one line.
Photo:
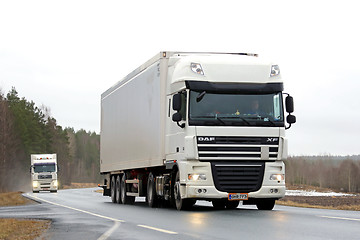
{"points": [[238, 117], [220, 120], [200, 96]]}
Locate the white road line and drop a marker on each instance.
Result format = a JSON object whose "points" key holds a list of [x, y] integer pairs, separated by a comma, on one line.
{"points": [[342, 218], [79, 210], [109, 232], [157, 229], [112, 229]]}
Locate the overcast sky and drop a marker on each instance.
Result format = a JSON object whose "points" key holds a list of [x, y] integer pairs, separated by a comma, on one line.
{"points": [[64, 54]]}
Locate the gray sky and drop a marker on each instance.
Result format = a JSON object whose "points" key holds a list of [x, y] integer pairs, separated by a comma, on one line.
{"points": [[64, 54]]}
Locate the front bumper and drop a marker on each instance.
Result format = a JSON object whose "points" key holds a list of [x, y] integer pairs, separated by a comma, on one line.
{"points": [[44, 186], [205, 189]]}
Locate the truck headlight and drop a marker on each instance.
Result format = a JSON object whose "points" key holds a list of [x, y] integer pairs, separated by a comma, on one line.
{"points": [[196, 68], [55, 183], [196, 177], [35, 184], [277, 177], [275, 70]]}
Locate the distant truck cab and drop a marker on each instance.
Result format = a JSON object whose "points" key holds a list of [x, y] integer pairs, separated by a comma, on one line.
{"points": [[44, 172]]}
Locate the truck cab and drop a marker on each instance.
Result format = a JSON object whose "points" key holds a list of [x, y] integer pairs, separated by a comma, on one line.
{"points": [[44, 172]]}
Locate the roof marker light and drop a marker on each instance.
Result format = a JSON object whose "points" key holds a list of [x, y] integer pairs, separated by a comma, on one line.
{"points": [[196, 68], [275, 70]]}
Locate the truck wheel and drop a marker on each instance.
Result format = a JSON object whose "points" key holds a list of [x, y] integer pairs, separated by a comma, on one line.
{"points": [[265, 204], [232, 204], [118, 189], [113, 189], [151, 192], [125, 199], [181, 204]]}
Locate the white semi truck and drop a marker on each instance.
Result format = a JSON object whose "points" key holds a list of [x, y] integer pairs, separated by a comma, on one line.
{"points": [[196, 126], [44, 172]]}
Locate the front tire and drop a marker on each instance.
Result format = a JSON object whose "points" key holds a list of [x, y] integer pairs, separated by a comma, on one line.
{"points": [[180, 203], [265, 204]]}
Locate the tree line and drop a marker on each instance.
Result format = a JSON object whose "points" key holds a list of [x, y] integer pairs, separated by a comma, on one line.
{"points": [[27, 129], [337, 173]]}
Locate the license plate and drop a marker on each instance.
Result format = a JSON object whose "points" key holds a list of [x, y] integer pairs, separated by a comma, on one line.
{"points": [[46, 189], [238, 196]]}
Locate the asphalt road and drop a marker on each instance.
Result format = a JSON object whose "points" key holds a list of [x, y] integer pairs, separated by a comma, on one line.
{"points": [[85, 214]]}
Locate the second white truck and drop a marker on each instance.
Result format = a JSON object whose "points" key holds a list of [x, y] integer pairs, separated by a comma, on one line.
{"points": [[196, 126], [44, 172]]}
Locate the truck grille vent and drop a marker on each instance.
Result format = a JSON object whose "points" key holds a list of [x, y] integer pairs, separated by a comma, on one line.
{"points": [[44, 176], [237, 148], [238, 177]]}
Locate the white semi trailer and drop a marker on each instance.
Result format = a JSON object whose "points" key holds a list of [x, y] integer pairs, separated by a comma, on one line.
{"points": [[196, 126], [44, 172]]}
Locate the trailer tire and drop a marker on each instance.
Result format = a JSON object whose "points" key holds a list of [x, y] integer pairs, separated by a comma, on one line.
{"points": [[180, 203], [265, 204], [125, 199], [113, 189], [151, 197], [117, 189]]}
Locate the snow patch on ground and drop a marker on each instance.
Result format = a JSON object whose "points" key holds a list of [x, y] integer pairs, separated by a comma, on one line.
{"points": [[315, 194]]}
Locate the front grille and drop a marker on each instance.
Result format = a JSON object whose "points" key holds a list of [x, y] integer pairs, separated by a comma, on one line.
{"points": [[238, 177], [44, 176], [237, 148]]}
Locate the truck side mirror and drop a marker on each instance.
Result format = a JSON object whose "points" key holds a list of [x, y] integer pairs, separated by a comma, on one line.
{"points": [[177, 102], [289, 104], [291, 119], [177, 117]]}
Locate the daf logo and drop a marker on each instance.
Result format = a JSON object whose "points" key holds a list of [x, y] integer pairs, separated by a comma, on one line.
{"points": [[206, 139], [272, 140]]}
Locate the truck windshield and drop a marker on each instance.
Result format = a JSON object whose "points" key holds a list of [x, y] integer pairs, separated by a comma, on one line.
{"points": [[44, 167], [235, 109]]}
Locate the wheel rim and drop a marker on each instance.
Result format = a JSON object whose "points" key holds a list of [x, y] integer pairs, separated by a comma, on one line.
{"points": [[118, 189], [150, 190], [123, 190], [113, 186], [177, 191]]}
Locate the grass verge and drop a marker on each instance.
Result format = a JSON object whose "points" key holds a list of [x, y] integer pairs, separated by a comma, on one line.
{"points": [[307, 205], [26, 229], [13, 199]]}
